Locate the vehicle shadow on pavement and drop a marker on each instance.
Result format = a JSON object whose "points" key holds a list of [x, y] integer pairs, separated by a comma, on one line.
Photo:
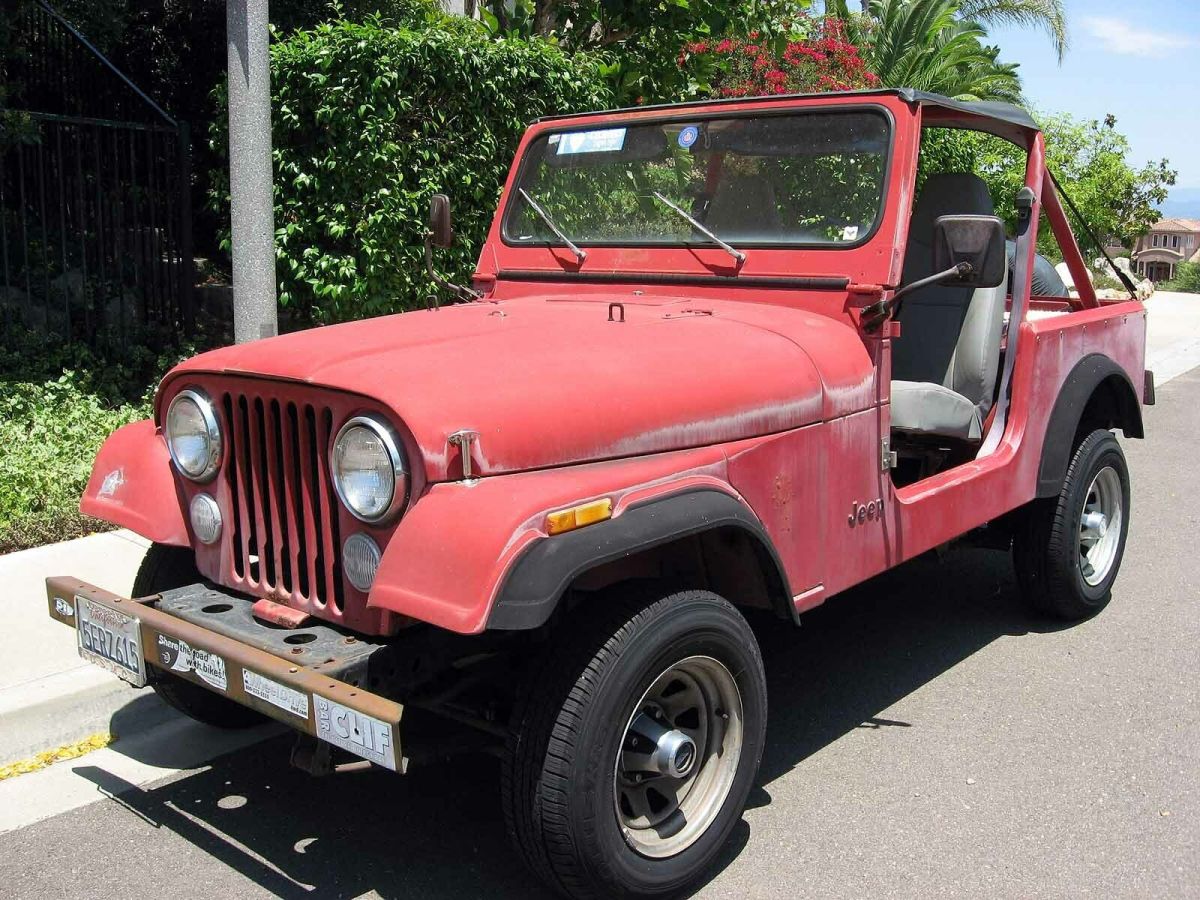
{"points": [[866, 649], [439, 832]]}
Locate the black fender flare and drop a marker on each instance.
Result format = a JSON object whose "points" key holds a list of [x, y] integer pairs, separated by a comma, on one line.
{"points": [[1077, 390], [538, 579]]}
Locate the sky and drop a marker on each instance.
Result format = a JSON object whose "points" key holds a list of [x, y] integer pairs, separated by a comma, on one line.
{"points": [[1139, 61]]}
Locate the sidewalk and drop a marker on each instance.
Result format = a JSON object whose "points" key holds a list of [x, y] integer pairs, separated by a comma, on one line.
{"points": [[49, 697]]}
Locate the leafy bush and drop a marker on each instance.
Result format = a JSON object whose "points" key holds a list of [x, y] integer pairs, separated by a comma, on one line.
{"points": [[1090, 159], [640, 40], [372, 120], [1187, 279], [52, 432], [57, 405]]}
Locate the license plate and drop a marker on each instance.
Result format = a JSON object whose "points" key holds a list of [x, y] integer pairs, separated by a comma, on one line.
{"points": [[111, 640]]}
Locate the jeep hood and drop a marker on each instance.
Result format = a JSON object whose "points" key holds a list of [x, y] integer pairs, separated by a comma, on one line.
{"points": [[549, 381]]}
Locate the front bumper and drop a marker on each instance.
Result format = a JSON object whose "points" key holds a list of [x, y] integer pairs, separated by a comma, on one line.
{"points": [[309, 679]]}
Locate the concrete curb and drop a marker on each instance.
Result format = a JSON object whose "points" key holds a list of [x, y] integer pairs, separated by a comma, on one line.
{"points": [[59, 709], [48, 695]]}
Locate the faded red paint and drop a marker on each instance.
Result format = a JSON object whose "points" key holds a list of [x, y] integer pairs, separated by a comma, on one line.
{"points": [[773, 395], [133, 484]]}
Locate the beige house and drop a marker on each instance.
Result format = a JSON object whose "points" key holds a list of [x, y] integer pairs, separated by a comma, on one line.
{"points": [[1165, 246]]}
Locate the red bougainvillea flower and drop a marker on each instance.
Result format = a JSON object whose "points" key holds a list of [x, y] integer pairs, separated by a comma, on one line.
{"points": [[744, 67]]}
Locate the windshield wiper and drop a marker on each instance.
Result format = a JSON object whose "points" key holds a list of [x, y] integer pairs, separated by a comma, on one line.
{"points": [[736, 254], [550, 223]]}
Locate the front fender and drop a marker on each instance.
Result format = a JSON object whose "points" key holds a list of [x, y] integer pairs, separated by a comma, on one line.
{"points": [[451, 552], [542, 574], [133, 485]]}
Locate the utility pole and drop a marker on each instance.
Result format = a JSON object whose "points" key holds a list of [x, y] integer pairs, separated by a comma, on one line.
{"points": [[250, 175]]}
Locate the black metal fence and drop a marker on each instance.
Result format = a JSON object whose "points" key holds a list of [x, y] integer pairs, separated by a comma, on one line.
{"points": [[95, 217]]}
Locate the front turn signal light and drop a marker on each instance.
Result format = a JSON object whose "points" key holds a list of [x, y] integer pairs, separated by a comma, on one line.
{"points": [[578, 516]]}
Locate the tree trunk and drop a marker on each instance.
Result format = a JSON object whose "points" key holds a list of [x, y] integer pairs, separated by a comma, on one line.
{"points": [[500, 11], [544, 17]]}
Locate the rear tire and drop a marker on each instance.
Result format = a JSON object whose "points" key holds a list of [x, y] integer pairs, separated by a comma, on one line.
{"points": [[583, 809], [164, 568], [1068, 552]]}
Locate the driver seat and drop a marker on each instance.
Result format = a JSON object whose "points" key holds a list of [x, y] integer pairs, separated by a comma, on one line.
{"points": [[945, 364]]}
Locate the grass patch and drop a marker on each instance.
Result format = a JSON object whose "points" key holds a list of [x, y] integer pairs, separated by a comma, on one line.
{"points": [[51, 432], [57, 405]]}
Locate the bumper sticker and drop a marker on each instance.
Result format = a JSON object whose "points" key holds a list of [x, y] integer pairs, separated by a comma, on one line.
{"points": [[180, 656], [276, 694], [357, 732]]}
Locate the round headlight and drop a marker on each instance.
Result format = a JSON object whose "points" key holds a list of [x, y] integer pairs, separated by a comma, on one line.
{"points": [[206, 518], [193, 436], [360, 559], [368, 469]]}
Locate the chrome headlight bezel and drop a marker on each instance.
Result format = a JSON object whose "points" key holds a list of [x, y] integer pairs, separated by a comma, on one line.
{"points": [[212, 460], [396, 459]]}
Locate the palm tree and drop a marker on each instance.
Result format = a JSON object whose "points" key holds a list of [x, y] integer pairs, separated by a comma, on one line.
{"points": [[928, 45], [1048, 15]]}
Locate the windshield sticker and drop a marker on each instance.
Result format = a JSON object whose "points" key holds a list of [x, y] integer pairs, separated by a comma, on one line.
{"points": [[850, 233], [688, 136], [606, 140]]}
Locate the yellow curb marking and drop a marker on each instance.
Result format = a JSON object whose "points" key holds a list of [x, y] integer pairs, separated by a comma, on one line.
{"points": [[50, 757]]}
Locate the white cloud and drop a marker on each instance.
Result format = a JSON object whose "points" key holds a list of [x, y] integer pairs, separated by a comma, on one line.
{"points": [[1119, 36]]}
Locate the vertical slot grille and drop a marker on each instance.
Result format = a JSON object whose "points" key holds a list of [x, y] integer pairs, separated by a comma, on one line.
{"points": [[284, 534]]}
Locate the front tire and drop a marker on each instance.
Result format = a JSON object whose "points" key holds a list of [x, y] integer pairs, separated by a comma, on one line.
{"points": [[1069, 551], [636, 743], [163, 568]]}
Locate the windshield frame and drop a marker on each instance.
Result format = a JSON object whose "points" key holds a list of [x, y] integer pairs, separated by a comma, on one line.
{"points": [[689, 116]]}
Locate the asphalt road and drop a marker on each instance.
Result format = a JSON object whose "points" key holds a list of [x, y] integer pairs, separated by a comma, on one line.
{"points": [[928, 738]]}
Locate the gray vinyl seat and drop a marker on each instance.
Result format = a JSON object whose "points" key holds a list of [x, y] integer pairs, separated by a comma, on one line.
{"points": [[946, 360]]}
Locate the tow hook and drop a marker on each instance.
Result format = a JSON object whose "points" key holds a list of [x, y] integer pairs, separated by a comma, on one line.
{"points": [[316, 758]]}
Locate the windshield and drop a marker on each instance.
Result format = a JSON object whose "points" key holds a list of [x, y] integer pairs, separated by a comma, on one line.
{"points": [[804, 178]]}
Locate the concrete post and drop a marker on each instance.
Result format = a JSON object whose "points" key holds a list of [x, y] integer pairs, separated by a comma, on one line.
{"points": [[250, 176]]}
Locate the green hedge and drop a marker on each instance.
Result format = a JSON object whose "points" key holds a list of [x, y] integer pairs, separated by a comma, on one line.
{"points": [[371, 120]]}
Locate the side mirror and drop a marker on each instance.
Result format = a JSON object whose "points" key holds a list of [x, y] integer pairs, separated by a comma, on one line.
{"points": [[441, 229], [977, 242], [441, 234]]}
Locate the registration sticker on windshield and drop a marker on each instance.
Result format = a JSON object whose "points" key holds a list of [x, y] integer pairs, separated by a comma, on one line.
{"points": [[603, 140]]}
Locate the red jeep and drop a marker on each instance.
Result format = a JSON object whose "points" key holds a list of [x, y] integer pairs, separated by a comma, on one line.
{"points": [[714, 356]]}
